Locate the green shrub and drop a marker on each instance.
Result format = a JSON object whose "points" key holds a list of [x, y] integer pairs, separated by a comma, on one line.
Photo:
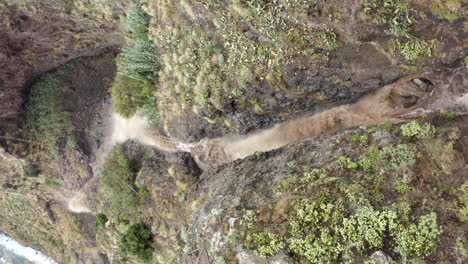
{"points": [[128, 95], [45, 114], [135, 86], [367, 227], [135, 242], [418, 239], [117, 184], [138, 21], [144, 194], [140, 61], [394, 13], [411, 129], [30, 170], [101, 220], [268, 244], [412, 49]]}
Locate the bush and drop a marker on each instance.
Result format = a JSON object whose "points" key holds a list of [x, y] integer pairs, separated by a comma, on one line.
{"points": [[135, 85], [45, 115], [140, 61], [101, 220], [418, 239], [30, 170], [138, 21], [135, 242], [394, 13], [129, 94], [117, 184]]}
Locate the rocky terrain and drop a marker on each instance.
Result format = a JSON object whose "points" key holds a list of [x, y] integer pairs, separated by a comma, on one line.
{"points": [[377, 189]]}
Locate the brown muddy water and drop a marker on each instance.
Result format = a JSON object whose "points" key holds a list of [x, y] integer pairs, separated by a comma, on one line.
{"points": [[406, 99]]}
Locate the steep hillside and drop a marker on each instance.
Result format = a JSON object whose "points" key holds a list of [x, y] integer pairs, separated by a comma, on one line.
{"points": [[235, 131]]}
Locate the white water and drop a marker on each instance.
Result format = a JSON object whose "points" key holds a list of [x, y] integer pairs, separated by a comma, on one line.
{"points": [[25, 253]]}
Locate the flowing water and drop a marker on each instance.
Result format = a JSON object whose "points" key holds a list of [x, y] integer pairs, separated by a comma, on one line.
{"points": [[403, 100]]}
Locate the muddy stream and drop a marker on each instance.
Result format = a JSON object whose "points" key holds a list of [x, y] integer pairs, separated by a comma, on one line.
{"points": [[406, 99]]}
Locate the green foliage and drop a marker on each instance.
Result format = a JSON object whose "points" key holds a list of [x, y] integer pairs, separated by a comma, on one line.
{"points": [[418, 239], [140, 62], [414, 129], [312, 175], [394, 13], [449, 115], [412, 50], [45, 114], [346, 162], [135, 86], [367, 227], [267, 244], [135, 242], [138, 21], [144, 194], [387, 124], [30, 170], [446, 9], [128, 95], [101, 220], [463, 202], [117, 184], [403, 188], [359, 139], [314, 230]]}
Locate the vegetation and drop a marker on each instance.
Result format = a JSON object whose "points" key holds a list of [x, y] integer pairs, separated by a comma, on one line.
{"points": [[135, 242], [418, 239], [128, 95], [117, 185], [45, 114], [101, 220], [135, 85], [413, 49], [446, 9], [30, 170], [349, 208], [395, 14]]}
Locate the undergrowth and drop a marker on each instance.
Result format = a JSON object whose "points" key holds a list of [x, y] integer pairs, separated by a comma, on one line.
{"points": [[117, 189], [45, 115], [136, 82], [350, 208]]}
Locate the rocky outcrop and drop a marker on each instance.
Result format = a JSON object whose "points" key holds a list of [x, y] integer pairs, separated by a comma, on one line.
{"points": [[36, 37]]}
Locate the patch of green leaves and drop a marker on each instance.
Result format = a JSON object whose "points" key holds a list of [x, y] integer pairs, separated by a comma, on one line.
{"points": [[418, 239], [45, 114], [135, 243], [395, 14]]}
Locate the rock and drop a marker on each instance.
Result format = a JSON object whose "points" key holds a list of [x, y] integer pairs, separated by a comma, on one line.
{"points": [[379, 257], [249, 257], [421, 84]]}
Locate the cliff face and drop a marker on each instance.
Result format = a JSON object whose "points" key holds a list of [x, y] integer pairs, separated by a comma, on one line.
{"points": [[230, 67], [39, 36]]}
